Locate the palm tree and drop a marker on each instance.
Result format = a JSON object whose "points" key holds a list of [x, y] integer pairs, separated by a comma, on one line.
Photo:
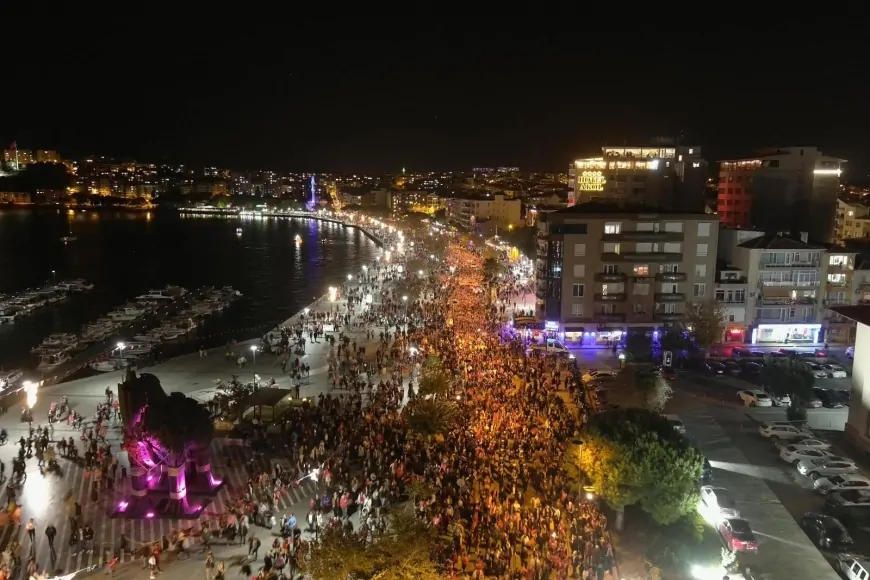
{"points": [[431, 364], [435, 384], [431, 416]]}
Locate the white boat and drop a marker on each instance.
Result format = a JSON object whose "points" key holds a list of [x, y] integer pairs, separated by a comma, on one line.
{"points": [[126, 313], [9, 378], [168, 293], [113, 364], [51, 360], [8, 316], [136, 348], [151, 336], [60, 339]]}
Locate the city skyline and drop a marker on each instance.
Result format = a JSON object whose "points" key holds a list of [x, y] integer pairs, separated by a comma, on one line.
{"points": [[437, 98]]}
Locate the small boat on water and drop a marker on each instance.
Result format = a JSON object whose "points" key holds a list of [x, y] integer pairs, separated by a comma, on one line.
{"points": [[168, 293], [50, 360]]}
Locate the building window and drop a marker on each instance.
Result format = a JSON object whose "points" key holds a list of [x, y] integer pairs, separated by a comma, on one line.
{"points": [[579, 250], [646, 226], [673, 226], [577, 290], [699, 290], [672, 247], [701, 251], [577, 309], [703, 229], [579, 270], [720, 296], [612, 227], [610, 247], [700, 270], [611, 269], [641, 270], [643, 247]]}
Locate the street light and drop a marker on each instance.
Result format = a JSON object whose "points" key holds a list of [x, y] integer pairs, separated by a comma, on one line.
{"points": [[53, 277], [121, 346], [349, 277], [254, 350]]}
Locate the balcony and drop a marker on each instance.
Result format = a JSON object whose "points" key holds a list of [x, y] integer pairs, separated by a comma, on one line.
{"points": [[670, 297], [671, 277], [791, 265], [806, 301], [642, 257], [608, 317], [610, 297], [791, 283], [637, 236], [668, 316], [610, 277]]}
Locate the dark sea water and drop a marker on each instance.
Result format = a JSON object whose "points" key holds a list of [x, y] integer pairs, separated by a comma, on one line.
{"points": [[125, 254]]}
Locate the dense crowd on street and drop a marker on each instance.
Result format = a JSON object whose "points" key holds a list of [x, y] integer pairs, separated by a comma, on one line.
{"points": [[492, 481]]}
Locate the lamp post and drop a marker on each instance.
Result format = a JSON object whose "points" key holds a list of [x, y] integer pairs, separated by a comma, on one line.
{"points": [[53, 277], [254, 351]]}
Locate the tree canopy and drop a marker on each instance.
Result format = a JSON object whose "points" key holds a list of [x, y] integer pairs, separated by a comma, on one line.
{"points": [[524, 239], [635, 457], [434, 384], [640, 385], [492, 268], [783, 376], [705, 321], [402, 553], [50, 176], [431, 416], [638, 346]]}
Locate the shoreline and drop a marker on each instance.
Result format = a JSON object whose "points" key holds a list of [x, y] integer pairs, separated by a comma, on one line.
{"points": [[51, 378]]}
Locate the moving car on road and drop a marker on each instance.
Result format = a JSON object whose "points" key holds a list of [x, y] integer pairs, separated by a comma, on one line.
{"points": [[718, 503], [738, 535], [841, 482], [755, 398]]}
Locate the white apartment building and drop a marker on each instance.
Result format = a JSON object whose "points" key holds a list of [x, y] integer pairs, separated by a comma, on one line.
{"points": [[784, 283], [730, 291], [853, 221], [497, 210]]}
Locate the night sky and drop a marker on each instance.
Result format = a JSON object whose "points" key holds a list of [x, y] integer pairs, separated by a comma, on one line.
{"points": [[426, 90]]}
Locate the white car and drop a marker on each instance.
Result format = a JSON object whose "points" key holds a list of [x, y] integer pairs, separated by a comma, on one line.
{"points": [[825, 468], [835, 371], [755, 398], [794, 454], [781, 430], [678, 426], [841, 482], [818, 371], [718, 502], [780, 400], [812, 443], [592, 374], [550, 347]]}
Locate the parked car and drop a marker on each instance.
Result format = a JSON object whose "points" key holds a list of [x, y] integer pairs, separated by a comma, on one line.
{"points": [[835, 371], [841, 482], [550, 348], [676, 423], [592, 373], [732, 367], [779, 400], [818, 371], [715, 368], [812, 443], [793, 454], [825, 467], [814, 402], [844, 396], [752, 368], [848, 498], [826, 532], [829, 399], [718, 502], [738, 535], [782, 430], [755, 398]]}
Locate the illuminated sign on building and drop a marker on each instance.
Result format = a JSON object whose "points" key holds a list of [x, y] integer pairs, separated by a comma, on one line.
{"points": [[592, 181]]}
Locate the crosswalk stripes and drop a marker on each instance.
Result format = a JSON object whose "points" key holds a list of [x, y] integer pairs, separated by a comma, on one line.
{"points": [[228, 463]]}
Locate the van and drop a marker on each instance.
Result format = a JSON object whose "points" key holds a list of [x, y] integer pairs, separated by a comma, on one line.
{"points": [[853, 567]]}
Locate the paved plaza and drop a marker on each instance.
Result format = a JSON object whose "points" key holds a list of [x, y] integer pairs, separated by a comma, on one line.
{"points": [[42, 497]]}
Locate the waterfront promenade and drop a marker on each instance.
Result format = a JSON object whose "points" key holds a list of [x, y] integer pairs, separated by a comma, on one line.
{"points": [[48, 497]]}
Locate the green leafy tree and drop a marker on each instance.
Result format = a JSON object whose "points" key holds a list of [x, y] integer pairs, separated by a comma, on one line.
{"points": [[638, 346], [640, 385], [634, 457], [783, 376], [431, 416], [492, 268], [705, 321], [675, 341], [435, 384], [432, 364], [524, 239], [402, 553]]}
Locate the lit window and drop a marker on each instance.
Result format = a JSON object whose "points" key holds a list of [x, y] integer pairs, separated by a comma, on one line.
{"points": [[641, 270]]}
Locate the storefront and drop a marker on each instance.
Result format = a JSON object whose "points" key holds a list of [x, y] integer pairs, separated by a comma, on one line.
{"points": [[786, 334], [734, 334]]}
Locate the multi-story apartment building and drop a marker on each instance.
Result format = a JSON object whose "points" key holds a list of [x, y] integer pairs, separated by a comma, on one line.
{"points": [[788, 189], [17, 158], [840, 290], [730, 291], [47, 156], [853, 221], [665, 176], [416, 201], [496, 211], [785, 281], [602, 269]]}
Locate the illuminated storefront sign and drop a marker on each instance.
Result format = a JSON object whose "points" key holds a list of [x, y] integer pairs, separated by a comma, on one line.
{"points": [[592, 181]]}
